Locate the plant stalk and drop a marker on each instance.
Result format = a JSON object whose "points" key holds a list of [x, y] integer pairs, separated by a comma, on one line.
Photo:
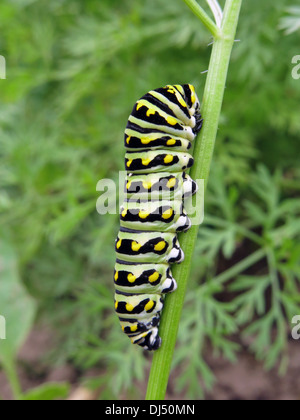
{"points": [[203, 152], [12, 376]]}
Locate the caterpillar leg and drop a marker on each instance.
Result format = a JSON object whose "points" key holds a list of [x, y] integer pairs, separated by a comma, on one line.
{"points": [[139, 317], [149, 340], [143, 332]]}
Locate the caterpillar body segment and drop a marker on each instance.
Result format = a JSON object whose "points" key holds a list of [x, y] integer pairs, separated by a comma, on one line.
{"points": [[144, 278], [160, 215], [157, 161], [158, 186], [134, 142], [157, 247]]}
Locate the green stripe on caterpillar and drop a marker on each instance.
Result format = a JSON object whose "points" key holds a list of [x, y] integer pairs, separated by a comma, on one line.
{"points": [[158, 136]]}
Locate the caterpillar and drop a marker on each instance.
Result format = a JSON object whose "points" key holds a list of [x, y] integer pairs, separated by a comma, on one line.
{"points": [[158, 136]]}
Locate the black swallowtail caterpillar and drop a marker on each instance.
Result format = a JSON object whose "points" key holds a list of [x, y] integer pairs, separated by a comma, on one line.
{"points": [[159, 133]]}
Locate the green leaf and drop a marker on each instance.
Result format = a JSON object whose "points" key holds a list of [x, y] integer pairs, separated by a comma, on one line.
{"points": [[291, 23], [16, 306], [48, 392]]}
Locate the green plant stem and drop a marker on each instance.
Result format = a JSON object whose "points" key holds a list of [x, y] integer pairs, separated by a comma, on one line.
{"points": [[240, 267], [12, 376], [203, 152], [205, 19]]}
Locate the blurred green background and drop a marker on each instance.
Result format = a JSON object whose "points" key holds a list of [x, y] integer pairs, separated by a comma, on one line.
{"points": [[74, 70]]}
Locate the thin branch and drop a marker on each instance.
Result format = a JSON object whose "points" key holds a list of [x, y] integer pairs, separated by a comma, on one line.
{"points": [[240, 267], [237, 227], [205, 19], [216, 10]]}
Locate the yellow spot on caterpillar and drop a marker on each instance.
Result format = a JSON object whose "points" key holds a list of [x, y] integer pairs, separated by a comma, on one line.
{"points": [[143, 214], [131, 278], [139, 105], [133, 328], [167, 214], [129, 307], [135, 246], [145, 162], [123, 328], [128, 185], [171, 183], [170, 89], [149, 305], [116, 275], [116, 304], [193, 96], [171, 120], [150, 112], [129, 162], [128, 139], [145, 140], [124, 212], [154, 277], [119, 243], [171, 142], [160, 246], [168, 159], [147, 185]]}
